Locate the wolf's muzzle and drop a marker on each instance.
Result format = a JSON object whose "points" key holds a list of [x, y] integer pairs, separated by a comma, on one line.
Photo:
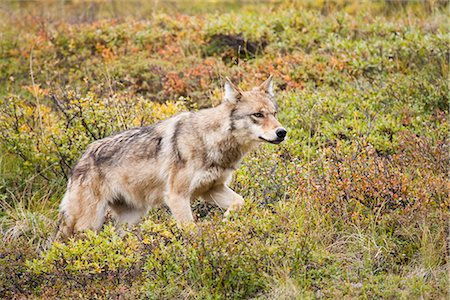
{"points": [[281, 133]]}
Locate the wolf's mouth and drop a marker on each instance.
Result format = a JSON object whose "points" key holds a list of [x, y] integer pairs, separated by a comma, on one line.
{"points": [[277, 141]]}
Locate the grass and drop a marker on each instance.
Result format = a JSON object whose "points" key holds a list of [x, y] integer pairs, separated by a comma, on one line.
{"points": [[353, 205]]}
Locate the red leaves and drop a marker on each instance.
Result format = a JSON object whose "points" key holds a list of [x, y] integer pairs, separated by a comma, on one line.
{"points": [[368, 181]]}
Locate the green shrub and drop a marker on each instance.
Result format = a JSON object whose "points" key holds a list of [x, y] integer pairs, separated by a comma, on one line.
{"points": [[83, 262], [235, 259]]}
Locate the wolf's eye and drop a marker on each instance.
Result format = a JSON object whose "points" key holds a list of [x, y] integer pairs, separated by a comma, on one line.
{"points": [[258, 115]]}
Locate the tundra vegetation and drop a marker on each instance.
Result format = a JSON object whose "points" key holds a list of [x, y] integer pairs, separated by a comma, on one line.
{"points": [[353, 205]]}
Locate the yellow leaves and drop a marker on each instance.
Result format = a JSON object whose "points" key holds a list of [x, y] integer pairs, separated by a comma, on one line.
{"points": [[161, 111], [14, 52], [36, 90], [96, 268], [24, 128]]}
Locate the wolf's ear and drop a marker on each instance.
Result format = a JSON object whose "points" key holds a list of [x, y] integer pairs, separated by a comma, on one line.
{"points": [[267, 86], [232, 92]]}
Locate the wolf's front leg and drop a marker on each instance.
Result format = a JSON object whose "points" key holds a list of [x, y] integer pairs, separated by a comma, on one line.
{"points": [[225, 198], [180, 206], [178, 198]]}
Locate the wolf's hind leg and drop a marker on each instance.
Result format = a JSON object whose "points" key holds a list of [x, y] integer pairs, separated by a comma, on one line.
{"points": [[225, 198]]}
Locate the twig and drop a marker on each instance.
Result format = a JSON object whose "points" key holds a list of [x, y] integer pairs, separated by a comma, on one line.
{"points": [[38, 104]]}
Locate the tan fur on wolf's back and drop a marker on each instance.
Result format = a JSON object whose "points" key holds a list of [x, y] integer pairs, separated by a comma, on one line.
{"points": [[192, 154]]}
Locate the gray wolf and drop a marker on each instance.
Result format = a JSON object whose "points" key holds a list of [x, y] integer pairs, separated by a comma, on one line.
{"points": [[190, 155]]}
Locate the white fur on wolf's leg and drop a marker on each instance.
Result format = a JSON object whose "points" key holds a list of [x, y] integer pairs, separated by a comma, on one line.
{"points": [[225, 198], [181, 209]]}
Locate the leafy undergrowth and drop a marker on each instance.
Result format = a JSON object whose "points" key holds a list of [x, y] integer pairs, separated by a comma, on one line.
{"points": [[280, 249], [353, 205]]}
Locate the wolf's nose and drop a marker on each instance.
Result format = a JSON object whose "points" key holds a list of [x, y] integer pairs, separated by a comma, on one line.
{"points": [[281, 132]]}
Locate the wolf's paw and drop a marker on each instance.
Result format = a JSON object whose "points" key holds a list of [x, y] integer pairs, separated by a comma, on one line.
{"points": [[229, 215]]}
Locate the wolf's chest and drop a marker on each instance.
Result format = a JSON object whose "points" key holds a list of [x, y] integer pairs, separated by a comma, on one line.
{"points": [[206, 179]]}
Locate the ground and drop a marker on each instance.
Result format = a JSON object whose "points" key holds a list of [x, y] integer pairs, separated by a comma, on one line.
{"points": [[353, 205]]}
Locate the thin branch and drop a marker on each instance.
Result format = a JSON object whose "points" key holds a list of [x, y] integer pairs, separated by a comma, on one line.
{"points": [[38, 104]]}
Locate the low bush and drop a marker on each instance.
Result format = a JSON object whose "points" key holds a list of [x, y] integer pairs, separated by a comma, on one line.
{"points": [[368, 183]]}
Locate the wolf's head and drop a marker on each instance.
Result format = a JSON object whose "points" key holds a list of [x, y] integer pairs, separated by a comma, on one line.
{"points": [[253, 114]]}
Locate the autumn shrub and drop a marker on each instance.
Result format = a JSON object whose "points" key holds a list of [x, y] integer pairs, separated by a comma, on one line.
{"points": [[49, 138], [365, 181]]}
